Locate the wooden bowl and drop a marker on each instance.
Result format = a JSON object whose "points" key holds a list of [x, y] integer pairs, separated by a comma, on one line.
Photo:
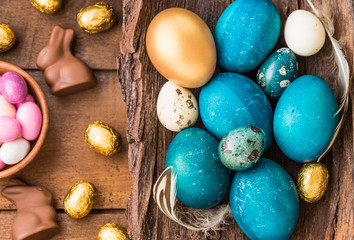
{"points": [[38, 95]]}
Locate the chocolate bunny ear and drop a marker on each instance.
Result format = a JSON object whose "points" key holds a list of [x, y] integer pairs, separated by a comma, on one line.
{"points": [[13, 188], [57, 34], [68, 39]]}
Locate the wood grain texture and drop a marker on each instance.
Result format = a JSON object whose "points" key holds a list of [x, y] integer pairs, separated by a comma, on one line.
{"points": [[32, 29], [330, 218]]}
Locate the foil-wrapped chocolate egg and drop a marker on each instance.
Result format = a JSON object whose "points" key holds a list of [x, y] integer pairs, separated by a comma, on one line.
{"points": [[7, 38], [79, 200], [103, 138], [312, 181], [112, 231], [96, 17], [47, 6]]}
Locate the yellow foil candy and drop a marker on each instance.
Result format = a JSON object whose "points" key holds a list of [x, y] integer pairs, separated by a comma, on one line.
{"points": [[112, 231], [96, 18], [312, 181], [47, 6], [7, 38], [80, 199]]}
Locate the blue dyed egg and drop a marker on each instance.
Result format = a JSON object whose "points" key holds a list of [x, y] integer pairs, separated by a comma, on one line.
{"points": [[245, 34], [231, 100], [277, 72], [264, 201], [202, 180], [304, 118]]}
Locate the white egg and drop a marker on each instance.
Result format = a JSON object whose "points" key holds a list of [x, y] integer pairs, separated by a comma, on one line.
{"points": [[177, 107], [304, 33], [14, 151]]}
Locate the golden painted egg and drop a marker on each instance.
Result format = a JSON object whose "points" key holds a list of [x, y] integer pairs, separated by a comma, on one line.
{"points": [[79, 200], [181, 47], [112, 231], [47, 6], [312, 181], [96, 17], [7, 38]]}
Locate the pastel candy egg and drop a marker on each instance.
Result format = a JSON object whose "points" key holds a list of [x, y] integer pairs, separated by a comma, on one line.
{"points": [[10, 129], [245, 34], [277, 72], [241, 148], [13, 87], [14, 151], [305, 118], [230, 101], [30, 117], [6, 108], [2, 164], [29, 98], [177, 107], [264, 201], [202, 180]]}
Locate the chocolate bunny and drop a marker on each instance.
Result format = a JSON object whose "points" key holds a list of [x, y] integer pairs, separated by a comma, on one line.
{"points": [[63, 72], [36, 217]]}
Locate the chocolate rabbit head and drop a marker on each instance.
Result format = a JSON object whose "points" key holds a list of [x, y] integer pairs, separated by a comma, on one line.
{"points": [[63, 72]]}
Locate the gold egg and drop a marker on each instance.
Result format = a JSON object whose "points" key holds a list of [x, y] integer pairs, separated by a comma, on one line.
{"points": [[96, 18], [312, 181], [80, 199], [112, 231], [103, 138], [7, 38], [47, 6], [181, 47]]}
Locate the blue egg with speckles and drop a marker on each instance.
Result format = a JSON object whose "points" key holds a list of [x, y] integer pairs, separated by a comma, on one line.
{"points": [[264, 201], [277, 72], [230, 101], [305, 119], [202, 180], [245, 34]]}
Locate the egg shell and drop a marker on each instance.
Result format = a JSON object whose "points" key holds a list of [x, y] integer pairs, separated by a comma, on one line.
{"points": [[202, 180], [10, 129], [177, 107], [29, 116], [245, 34], [181, 47], [13, 87], [231, 100], [2, 164], [264, 201], [305, 118], [29, 98], [14, 151], [241, 148], [6, 108], [304, 33], [277, 72]]}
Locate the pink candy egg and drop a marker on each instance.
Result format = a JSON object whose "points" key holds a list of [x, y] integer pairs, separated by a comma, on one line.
{"points": [[6, 108], [28, 98], [29, 116], [13, 87], [10, 129], [2, 164]]}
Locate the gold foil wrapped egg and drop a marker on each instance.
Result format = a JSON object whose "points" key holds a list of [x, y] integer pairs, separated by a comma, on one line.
{"points": [[312, 181], [47, 6], [103, 138], [7, 38], [112, 231], [80, 199], [96, 18]]}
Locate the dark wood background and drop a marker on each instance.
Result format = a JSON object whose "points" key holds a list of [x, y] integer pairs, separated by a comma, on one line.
{"points": [[330, 218]]}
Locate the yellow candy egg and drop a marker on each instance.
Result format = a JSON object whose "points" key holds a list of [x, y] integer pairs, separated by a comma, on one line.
{"points": [[47, 6], [7, 38], [181, 47], [112, 231]]}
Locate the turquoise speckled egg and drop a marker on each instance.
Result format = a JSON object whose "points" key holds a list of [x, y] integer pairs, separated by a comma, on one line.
{"points": [[241, 148], [245, 34], [264, 201], [277, 72], [230, 101], [202, 180], [305, 118]]}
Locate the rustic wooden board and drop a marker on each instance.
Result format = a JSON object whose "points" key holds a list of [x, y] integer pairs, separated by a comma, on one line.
{"points": [[32, 29], [330, 218]]}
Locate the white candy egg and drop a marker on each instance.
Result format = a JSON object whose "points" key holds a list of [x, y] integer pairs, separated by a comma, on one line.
{"points": [[14, 151], [304, 33], [177, 107]]}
